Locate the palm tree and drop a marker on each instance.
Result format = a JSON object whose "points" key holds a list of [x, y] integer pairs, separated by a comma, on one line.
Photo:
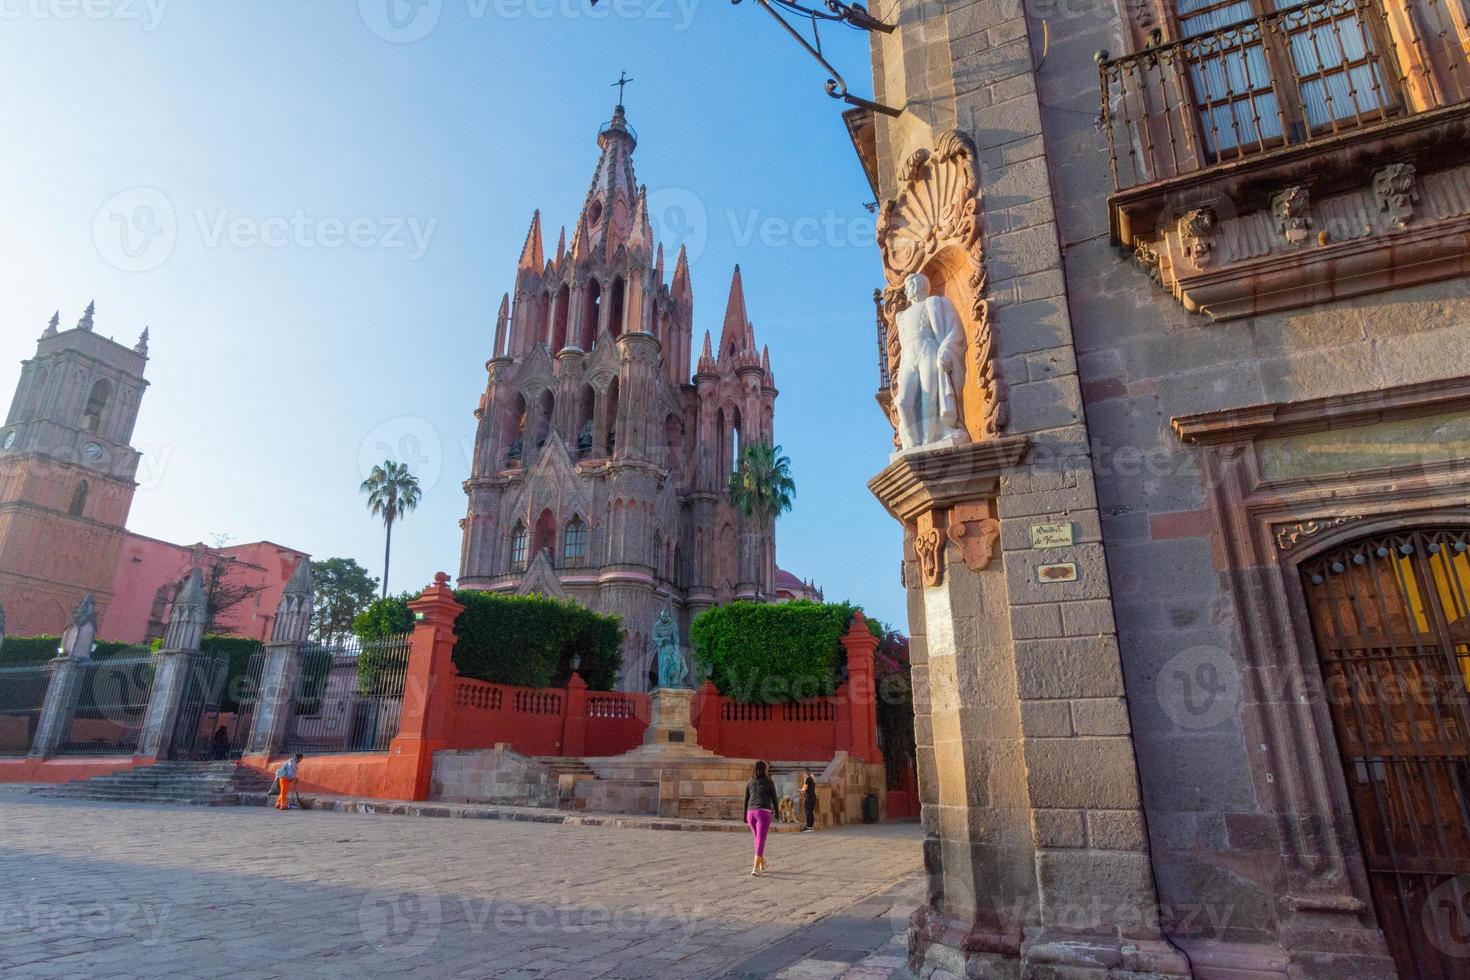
{"points": [[761, 486], [392, 492]]}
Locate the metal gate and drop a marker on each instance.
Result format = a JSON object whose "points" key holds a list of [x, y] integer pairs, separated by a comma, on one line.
{"points": [[1392, 623], [199, 707], [246, 693]]}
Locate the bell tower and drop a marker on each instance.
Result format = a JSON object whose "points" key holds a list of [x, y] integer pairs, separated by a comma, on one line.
{"points": [[67, 473]]}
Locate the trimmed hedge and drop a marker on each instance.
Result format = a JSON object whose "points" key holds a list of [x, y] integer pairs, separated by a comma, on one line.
{"points": [[384, 618], [23, 651], [771, 653], [525, 641], [530, 641]]}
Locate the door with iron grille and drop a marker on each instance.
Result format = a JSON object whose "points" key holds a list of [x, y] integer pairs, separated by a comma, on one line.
{"points": [[199, 708], [1391, 617]]}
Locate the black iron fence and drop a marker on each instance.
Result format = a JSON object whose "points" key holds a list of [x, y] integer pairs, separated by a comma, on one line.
{"points": [[198, 729], [247, 698], [22, 695], [348, 698], [111, 706]]}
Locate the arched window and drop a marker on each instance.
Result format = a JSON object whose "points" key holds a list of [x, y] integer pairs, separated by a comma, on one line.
{"points": [[574, 544], [79, 499], [586, 408], [546, 534], [611, 437], [591, 310], [673, 445], [545, 415], [38, 393], [96, 406], [615, 314], [514, 435], [559, 318], [518, 540]]}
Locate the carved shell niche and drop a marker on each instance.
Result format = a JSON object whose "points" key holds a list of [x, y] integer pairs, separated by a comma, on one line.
{"points": [[933, 226]]}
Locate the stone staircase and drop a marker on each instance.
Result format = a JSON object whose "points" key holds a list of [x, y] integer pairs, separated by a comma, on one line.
{"points": [[197, 783], [564, 773]]}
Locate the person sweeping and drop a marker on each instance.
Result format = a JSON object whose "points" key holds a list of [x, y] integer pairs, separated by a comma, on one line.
{"points": [[285, 776]]}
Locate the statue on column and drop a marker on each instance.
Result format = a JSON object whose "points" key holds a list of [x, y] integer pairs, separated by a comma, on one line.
{"points": [[672, 671], [931, 369]]}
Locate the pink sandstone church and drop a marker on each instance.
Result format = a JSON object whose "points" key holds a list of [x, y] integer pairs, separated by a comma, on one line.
{"points": [[600, 464]]}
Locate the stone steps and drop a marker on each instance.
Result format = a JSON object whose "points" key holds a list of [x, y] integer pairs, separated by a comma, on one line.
{"points": [[195, 783]]}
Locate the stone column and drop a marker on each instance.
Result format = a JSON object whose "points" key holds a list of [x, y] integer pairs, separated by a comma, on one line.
{"points": [[427, 693], [1035, 839], [65, 687], [574, 718], [862, 691], [282, 667], [177, 659]]}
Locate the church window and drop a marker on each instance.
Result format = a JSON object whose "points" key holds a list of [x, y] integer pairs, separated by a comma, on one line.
{"points": [[615, 314], [546, 414], [79, 499], [518, 541], [574, 547], [610, 439], [546, 534], [559, 318], [96, 406], [591, 310]]}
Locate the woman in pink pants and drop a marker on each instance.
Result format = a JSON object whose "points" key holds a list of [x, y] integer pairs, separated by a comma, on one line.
{"points": [[760, 810]]}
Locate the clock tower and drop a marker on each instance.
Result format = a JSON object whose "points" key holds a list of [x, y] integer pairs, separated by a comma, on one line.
{"points": [[67, 474]]}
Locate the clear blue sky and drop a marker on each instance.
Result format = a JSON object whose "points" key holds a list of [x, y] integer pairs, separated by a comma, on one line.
{"points": [[248, 179]]}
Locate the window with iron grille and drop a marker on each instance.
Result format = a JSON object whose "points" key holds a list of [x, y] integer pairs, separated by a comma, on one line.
{"points": [[518, 541], [574, 547]]}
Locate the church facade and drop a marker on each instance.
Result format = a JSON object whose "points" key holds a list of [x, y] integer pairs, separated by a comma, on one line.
{"points": [[600, 462]]}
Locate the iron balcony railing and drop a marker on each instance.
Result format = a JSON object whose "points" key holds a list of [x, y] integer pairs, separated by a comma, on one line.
{"points": [[1295, 76]]}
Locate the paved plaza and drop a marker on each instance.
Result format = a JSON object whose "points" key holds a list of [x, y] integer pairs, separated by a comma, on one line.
{"points": [[109, 890]]}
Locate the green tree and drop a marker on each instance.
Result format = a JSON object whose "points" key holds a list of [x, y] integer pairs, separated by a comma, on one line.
{"points": [[392, 492], [343, 588], [761, 486]]}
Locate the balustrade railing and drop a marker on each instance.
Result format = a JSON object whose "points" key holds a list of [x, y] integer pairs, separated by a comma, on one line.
{"points": [[1297, 75]]}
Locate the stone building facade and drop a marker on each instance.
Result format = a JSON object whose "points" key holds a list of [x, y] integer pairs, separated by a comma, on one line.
{"points": [[600, 464], [1189, 608], [67, 474]]}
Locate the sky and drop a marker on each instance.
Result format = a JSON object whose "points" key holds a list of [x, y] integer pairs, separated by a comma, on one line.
{"points": [[316, 206]]}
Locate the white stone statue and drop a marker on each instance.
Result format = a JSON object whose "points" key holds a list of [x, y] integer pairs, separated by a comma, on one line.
{"points": [[931, 369]]}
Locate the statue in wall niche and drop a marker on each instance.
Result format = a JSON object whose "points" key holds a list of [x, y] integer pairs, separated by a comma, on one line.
{"points": [[931, 369], [672, 671]]}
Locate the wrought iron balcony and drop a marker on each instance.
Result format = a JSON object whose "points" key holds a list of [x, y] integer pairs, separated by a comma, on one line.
{"points": [[1302, 76]]}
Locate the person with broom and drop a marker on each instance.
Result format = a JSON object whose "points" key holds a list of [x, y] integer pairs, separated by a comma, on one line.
{"points": [[285, 776]]}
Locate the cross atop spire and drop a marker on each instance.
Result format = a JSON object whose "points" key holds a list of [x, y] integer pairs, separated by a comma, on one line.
{"points": [[623, 82]]}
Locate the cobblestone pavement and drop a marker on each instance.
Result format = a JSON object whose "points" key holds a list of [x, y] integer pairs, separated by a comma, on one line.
{"points": [[108, 890]]}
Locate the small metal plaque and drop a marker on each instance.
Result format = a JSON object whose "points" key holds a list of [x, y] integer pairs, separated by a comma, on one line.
{"points": [[1053, 535], [1061, 572], [676, 736]]}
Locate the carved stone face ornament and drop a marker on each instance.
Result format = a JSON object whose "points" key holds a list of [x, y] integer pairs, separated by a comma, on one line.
{"points": [[1197, 236], [1396, 189], [1292, 209]]}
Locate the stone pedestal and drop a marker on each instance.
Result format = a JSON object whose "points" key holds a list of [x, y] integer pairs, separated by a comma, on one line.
{"points": [[672, 726], [170, 682]]}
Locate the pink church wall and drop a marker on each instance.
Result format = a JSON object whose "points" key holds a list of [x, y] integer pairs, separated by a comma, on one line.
{"points": [[145, 565]]}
